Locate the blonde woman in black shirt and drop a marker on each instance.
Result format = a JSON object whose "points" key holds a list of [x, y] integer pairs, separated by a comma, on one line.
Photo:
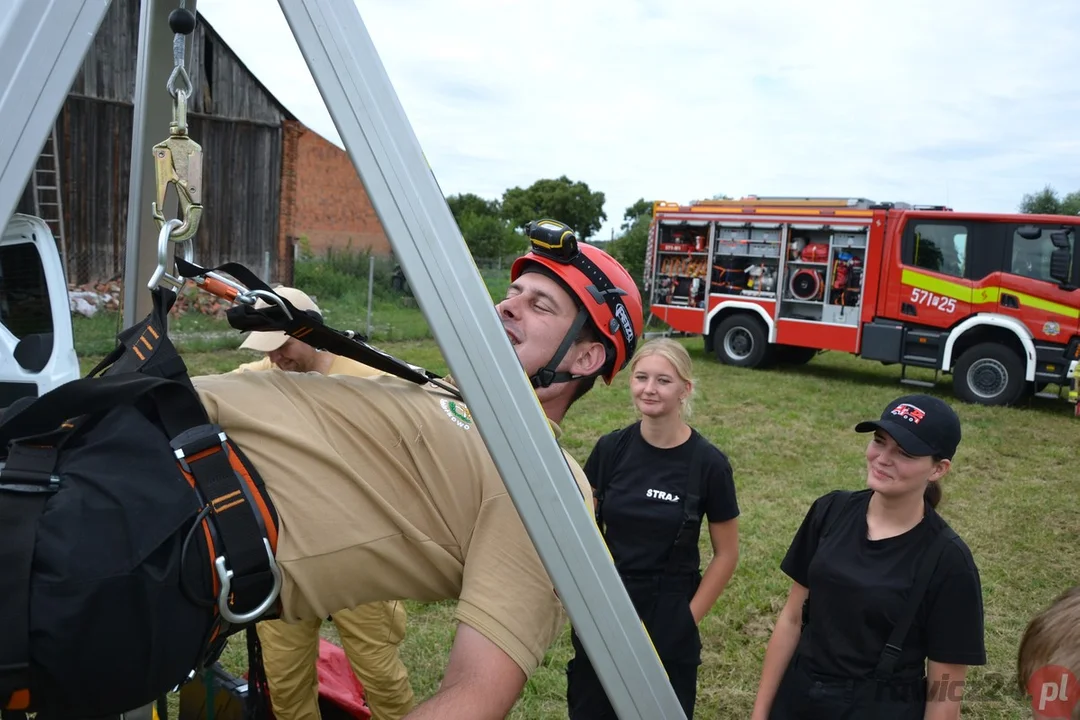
{"points": [[654, 482]]}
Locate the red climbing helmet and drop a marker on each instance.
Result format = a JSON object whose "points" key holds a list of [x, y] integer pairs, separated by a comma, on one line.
{"points": [[608, 294]]}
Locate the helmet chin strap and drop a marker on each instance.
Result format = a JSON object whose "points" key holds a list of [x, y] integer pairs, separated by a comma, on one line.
{"points": [[547, 375]]}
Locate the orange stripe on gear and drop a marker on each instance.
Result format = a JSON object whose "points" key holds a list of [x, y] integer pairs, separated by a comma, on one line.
{"points": [[19, 700], [260, 501], [209, 539], [223, 498], [223, 508]]}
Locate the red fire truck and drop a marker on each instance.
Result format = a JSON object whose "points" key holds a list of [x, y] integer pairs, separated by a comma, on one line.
{"points": [[992, 299]]}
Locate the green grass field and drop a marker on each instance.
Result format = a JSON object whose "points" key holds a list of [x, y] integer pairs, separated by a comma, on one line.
{"points": [[788, 433]]}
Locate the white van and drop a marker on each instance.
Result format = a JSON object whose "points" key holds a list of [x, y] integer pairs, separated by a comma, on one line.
{"points": [[37, 348]]}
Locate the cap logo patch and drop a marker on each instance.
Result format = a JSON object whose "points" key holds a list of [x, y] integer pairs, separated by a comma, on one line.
{"points": [[909, 412]]}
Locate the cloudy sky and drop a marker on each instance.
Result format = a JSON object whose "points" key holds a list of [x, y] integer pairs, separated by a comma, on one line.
{"points": [[971, 103]]}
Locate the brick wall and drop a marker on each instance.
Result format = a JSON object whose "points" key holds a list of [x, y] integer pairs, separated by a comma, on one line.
{"points": [[323, 198]]}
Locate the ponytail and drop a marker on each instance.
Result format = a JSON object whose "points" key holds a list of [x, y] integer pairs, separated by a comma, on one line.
{"points": [[932, 493]]}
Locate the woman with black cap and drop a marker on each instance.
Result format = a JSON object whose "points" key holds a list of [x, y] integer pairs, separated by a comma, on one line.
{"points": [[885, 610]]}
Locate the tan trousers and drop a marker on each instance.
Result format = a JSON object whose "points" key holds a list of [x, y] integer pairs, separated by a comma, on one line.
{"points": [[370, 635]]}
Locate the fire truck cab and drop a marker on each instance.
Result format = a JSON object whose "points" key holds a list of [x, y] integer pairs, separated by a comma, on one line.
{"points": [[992, 299]]}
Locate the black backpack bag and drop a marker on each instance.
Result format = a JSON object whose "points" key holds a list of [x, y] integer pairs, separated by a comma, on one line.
{"points": [[135, 537]]}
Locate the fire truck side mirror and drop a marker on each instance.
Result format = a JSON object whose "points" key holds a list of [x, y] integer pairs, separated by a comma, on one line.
{"points": [[1060, 258]]}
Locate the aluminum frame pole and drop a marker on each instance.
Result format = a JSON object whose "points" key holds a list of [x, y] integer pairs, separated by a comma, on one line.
{"points": [[150, 125], [42, 46], [412, 209]]}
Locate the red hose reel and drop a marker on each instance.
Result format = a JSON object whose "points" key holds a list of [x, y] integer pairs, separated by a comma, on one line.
{"points": [[806, 284]]}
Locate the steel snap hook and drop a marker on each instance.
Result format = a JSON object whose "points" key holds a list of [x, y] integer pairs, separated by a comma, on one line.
{"points": [[178, 162]]}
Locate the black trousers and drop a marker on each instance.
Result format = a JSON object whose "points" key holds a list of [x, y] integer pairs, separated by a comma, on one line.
{"points": [[804, 695], [663, 604]]}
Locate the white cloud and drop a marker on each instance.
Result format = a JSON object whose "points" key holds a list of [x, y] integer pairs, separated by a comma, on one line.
{"points": [[967, 102]]}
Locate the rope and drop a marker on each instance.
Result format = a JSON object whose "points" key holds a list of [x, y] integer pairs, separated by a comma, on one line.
{"points": [[179, 72]]}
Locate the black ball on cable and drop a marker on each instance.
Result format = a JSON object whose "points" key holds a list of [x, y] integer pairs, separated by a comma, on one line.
{"points": [[181, 21]]}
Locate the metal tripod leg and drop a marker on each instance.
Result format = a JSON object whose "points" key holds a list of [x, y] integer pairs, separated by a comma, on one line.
{"points": [[42, 46], [152, 113], [418, 222]]}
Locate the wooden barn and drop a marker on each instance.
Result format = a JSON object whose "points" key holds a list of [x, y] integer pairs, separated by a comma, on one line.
{"points": [[265, 175]]}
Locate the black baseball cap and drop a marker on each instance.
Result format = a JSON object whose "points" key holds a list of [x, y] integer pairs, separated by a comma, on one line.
{"points": [[920, 424]]}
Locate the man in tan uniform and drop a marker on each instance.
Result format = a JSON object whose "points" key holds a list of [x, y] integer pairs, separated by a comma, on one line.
{"points": [[287, 353], [371, 633], [384, 489]]}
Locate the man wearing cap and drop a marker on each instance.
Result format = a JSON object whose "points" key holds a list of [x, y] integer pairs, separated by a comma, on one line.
{"points": [[289, 354], [840, 647], [371, 633]]}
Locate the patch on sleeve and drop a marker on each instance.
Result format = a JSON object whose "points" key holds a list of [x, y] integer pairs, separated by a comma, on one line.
{"points": [[457, 412]]}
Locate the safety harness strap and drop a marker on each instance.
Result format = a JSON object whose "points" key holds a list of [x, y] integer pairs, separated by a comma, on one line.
{"points": [[833, 508], [27, 481], [687, 537], [19, 514], [247, 566], [307, 326], [607, 458], [145, 347], [177, 407], [894, 646]]}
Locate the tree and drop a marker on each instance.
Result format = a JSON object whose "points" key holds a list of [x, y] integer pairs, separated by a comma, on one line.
{"points": [[1044, 202], [470, 203], [1070, 204], [639, 208], [560, 199], [1047, 202], [488, 236], [631, 247], [486, 232]]}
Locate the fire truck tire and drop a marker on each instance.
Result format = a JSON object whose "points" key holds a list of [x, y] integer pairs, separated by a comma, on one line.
{"points": [[795, 354], [989, 374], [741, 340]]}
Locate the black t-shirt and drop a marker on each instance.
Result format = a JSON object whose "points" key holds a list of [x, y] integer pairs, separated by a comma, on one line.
{"points": [[858, 588], [642, 508]]}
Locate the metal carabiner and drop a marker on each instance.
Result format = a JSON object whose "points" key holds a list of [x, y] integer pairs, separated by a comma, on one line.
{"points": [[178, 162], [226, 576], [249, 297], [164, 257]]}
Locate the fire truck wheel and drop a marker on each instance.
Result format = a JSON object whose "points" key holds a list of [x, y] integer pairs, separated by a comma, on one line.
{"points": [[794, 354], [740, 340], [989, 374]]}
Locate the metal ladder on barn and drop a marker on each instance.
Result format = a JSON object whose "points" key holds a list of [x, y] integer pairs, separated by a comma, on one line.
{"points": [[48, 204]]}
